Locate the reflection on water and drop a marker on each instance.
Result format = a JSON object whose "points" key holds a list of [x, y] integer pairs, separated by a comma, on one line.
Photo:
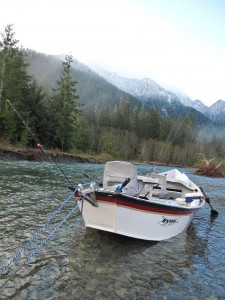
{"points": [[80, 263]]}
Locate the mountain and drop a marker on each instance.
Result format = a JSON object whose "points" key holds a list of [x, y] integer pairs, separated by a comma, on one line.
{"points": [[154, 95], [217, 112], [99, 90], [92, 89], [143, 89], [184, 99], [197, 104]]}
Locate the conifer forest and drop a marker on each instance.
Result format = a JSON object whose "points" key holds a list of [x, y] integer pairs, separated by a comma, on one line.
{"points": [[123, 129]]}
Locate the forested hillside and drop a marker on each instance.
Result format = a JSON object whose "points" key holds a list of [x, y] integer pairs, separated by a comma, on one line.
{"points": [[95, 90], [91, 88], [70, 108]]}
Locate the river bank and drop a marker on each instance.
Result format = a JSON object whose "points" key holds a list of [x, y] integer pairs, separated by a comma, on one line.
{"points": [[30, 154], [85, 263], [37, 155]]}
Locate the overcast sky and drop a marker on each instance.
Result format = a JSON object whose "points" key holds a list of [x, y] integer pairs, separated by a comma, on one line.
{"points": [[175, 42]]}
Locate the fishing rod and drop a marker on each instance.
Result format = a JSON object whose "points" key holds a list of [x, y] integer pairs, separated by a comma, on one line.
{"points": [[39, 143], [92, 178], [171, 136]]}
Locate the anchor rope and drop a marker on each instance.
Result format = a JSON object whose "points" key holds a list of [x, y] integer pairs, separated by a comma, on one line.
{"points": [[37, 140], [43, 242], [16, 256], [35, 236]]}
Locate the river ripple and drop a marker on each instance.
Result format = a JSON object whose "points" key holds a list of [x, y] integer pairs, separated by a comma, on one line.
{"points": [[80, 263]]}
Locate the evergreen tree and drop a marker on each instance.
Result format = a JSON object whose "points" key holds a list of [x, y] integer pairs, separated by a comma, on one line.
{"points": [[135, 120], [166, 127], [185, 131], [83, 136], [14, 85], [153, 124], [123, 114], [8, 45], [65, 109], [142, 130], [37, 113], [105, 117]]}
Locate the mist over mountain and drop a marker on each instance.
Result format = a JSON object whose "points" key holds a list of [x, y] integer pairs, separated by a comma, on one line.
{"points": [[103, 88], [92, 89], [146, 89], [216, 112], [141, 89]]}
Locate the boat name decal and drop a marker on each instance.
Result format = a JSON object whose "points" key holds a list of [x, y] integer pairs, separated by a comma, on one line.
{"points": [[168, 222]]}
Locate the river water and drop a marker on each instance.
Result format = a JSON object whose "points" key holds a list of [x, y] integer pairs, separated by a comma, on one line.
{"points": [[80, 263]]}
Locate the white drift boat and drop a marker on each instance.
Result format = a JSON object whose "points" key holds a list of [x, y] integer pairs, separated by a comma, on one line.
{"points": [[152, 207]]}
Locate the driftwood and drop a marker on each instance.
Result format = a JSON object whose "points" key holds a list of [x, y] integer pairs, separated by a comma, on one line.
{"points": [[210, 168]]}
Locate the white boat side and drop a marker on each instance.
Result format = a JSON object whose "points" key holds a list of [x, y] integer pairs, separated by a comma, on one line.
{"points": [[149, 207]]}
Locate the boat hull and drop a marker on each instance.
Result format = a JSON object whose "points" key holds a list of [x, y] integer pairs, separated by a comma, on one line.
{"points": [[135, 217]]}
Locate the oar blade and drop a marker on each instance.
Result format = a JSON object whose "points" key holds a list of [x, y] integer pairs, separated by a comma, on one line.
{"points": [[214, 213]]}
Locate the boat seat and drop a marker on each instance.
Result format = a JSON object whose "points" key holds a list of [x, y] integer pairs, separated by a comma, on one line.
{"points": [[158, 180], [116, 172], [154, 185]]}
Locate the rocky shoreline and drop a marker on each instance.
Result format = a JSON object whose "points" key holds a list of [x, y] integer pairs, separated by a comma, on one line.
{"points": [[36, 155]]}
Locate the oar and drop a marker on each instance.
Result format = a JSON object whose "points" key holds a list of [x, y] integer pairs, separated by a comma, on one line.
{"points": [[214, 213], [90, 177]]}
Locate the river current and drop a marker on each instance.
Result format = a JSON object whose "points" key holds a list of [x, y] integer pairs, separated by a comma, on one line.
{"points": [[83, 263]]}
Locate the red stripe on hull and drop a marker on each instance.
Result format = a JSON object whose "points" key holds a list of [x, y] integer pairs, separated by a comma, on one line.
{"points": [[130, 202]]}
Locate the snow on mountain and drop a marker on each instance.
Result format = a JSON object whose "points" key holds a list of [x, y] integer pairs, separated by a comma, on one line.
{"points": [[197, 104], [217, 107], [184, 99], [217, 111], [146, 88], [142, 89]]}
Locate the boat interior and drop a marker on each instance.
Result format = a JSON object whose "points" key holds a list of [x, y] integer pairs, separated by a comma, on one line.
{"points": [[171, 185]]}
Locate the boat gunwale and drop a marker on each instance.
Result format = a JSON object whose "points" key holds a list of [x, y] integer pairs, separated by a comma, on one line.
{"points": [[128, 201]]}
